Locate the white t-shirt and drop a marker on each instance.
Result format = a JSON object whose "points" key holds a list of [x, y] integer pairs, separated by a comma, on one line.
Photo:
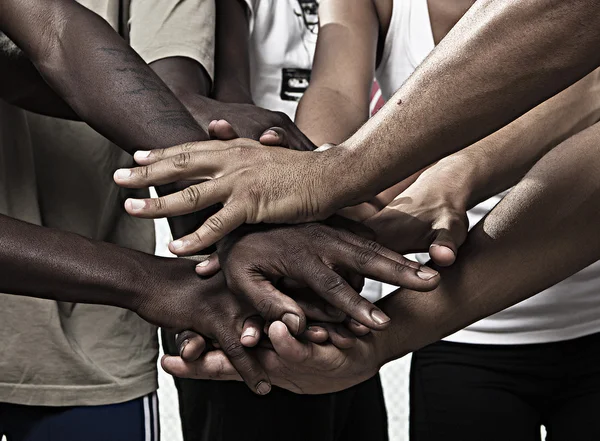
{"points": [[283, 39], [567, 310]]}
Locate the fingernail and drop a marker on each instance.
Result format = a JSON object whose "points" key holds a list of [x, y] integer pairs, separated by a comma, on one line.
{"points": [[141, 154], [426, 273], [271, 132], [177, 244], [182, 347], [292, 321], [123, 173], [379, 317], [136, 204], [203, 263], [250, 332], [263, 388]]}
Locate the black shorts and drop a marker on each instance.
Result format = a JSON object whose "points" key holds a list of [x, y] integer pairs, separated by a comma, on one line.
{"points": [[229, 411], [472, 392]]}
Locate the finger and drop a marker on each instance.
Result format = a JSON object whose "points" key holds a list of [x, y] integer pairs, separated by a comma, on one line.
{"points": [[374, 261], [251, 331], [211, 231], [212, 366], [317, 310], [340, 336], [245, 363], [181, 167], [450, 234], [356, 328], [270, 303], [146, 157], [286, 345], [211, 129], [191, 345], [275, 136], [189, 200], [209, 266], [335, 290], [316, 334], [223, 131]]}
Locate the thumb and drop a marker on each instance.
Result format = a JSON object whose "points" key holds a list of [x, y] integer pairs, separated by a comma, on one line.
{"points": [[274, 137], [209, 266], [221, 130], [450, 233]]}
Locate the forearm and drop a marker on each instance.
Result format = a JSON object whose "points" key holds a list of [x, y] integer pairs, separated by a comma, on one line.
{"points": [[103, 80], [500, 160], [184, 76], [23, 86], [47, 263], [232, 56], [329, 116], [541, 233], [455, 98]]}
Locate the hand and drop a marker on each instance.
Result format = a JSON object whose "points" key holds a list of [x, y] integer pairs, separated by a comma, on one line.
{"points": [[226, 121], [316, 256], [255, 185], [428, 216], [301, 367], [177, 299]]}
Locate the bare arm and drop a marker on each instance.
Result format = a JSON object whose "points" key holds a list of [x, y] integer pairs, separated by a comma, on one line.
{"points": [[23, 86], [431, 213], [99, 76], [336, 102], [498, 267], [525, 53], [541, 233]]}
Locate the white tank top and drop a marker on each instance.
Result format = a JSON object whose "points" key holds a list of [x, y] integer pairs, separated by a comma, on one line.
{"points": [[567, 310]]}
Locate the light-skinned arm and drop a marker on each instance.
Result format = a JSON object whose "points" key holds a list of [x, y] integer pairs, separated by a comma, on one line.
{"points": [[431, 213]]}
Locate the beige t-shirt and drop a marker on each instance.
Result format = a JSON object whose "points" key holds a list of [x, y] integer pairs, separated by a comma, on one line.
{"points": [[59, 174]]}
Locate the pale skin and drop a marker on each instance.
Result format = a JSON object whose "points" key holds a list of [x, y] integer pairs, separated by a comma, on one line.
{"points": [[463, 99]]}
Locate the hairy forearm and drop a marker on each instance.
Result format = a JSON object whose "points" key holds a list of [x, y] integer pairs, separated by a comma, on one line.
{"points": [[541, 233], [232, 56], [52, 264], [491, 68], [24, 87]]}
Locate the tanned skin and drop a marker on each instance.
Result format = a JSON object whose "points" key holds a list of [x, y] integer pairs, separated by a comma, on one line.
{"points": [[453, 100]]}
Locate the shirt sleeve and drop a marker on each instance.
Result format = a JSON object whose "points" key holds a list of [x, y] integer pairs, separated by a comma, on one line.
{"points": [[174, 28]]}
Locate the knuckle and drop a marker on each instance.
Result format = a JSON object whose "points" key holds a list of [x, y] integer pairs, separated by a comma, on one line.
{"points": [[215, 224], [265, 307], [333, 283], [182, 160], [159, 204], [190, 195], [233, 349], [146, 172], [365, 257]]}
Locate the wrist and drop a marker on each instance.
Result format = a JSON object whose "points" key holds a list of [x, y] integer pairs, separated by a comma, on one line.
{"points": [[451, 180], [344, 177]]}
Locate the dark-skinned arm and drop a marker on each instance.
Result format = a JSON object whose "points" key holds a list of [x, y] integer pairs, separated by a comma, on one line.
{"points": [[23, 86]]}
